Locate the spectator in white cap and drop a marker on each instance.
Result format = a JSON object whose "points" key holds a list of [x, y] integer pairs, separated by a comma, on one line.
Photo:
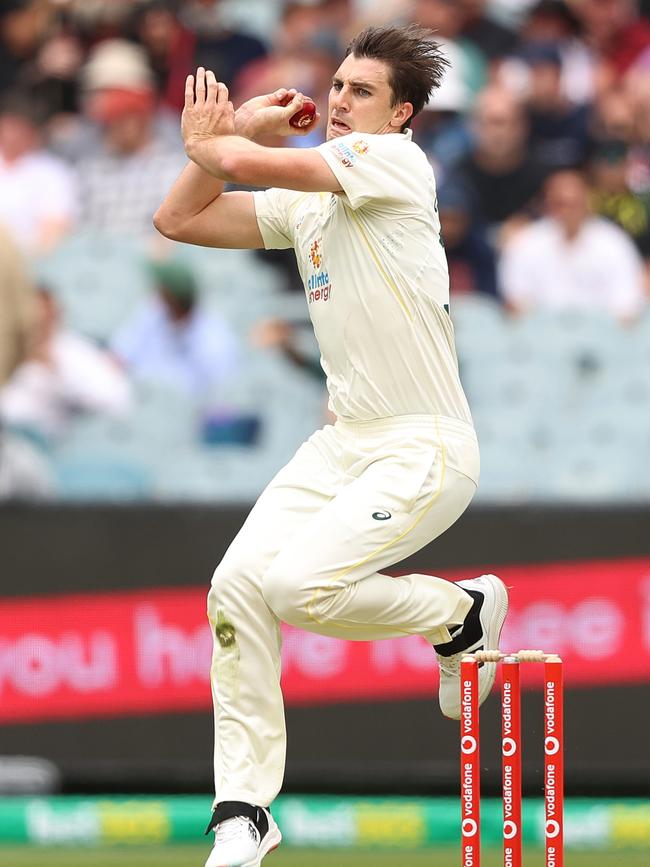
{"points": [[121, 182]]}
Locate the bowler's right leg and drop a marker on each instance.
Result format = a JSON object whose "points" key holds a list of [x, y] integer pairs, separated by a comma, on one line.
{"points": [[250, 738]]}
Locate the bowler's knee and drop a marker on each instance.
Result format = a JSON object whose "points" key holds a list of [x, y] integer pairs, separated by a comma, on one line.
{"points": [[284, 594], [229, 589]]}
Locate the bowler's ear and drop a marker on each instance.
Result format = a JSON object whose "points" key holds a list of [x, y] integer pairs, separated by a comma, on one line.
{"points": [[402, 113]]}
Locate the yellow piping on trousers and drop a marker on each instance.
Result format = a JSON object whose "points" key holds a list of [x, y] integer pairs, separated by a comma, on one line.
{"points": [[314, 599]]}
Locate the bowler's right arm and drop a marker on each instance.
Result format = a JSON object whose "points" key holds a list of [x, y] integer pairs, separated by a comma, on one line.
{"points": [[197, 211]]}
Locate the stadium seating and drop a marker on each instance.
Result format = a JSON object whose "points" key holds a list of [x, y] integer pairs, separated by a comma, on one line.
{"points": [[561, 402], [98, 280]]}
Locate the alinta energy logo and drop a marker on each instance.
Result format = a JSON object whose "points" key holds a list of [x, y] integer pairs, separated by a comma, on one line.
{"points": [[347, 154], [318, 284]]}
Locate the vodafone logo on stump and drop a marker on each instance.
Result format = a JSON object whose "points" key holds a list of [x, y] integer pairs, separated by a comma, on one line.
{"points": [[469, 827], [552, 828], [468, 744], [551, 746]]}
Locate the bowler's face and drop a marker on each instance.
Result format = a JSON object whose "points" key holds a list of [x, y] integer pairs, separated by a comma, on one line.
{"points": [[360, 99]]}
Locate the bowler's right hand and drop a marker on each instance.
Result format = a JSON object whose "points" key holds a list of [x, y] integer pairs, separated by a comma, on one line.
{"points": [[268, 116]]}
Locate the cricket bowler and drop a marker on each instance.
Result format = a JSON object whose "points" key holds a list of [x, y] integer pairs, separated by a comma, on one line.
{"points": [[401, 462]]}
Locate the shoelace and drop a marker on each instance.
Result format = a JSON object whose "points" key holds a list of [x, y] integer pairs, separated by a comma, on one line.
{"points": [[231, 829], [450, 664]]}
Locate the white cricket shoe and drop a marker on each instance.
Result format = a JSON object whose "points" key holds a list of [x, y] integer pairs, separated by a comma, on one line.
{"points": [[481, 630], [238, 842]]}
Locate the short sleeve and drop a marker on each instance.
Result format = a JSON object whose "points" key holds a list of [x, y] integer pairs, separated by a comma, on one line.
{"points": [[379, 167], [272, 209]]}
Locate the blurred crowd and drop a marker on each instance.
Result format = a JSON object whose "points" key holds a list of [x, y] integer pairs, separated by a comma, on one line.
{"points": [[539, 138]]}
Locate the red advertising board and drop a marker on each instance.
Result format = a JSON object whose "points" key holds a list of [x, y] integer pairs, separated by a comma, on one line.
{"points": [[148, 651]]}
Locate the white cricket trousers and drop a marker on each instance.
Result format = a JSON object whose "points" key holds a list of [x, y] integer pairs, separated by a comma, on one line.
{"points": [[356, 498]]}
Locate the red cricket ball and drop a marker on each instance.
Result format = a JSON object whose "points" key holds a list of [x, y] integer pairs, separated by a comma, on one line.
{"points": [[305, 116]]}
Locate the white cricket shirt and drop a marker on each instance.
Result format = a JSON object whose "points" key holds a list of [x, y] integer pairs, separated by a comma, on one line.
{"points": [[376, 278]]}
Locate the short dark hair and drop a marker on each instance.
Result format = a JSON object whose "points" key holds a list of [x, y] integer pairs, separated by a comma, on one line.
{"points": [[416, 62]]}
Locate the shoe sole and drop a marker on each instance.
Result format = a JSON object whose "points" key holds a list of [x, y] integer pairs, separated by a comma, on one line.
{"points": [[269, 844], [492, 631]]}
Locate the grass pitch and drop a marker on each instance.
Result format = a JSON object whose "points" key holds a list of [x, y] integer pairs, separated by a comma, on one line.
{"points": [[194, 856]]}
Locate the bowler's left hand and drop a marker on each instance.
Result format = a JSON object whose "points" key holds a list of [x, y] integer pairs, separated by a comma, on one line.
{"points": [[208, 111]]}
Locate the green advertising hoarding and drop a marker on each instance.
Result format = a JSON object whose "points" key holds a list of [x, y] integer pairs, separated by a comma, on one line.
{"points": [[326, 822]]}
